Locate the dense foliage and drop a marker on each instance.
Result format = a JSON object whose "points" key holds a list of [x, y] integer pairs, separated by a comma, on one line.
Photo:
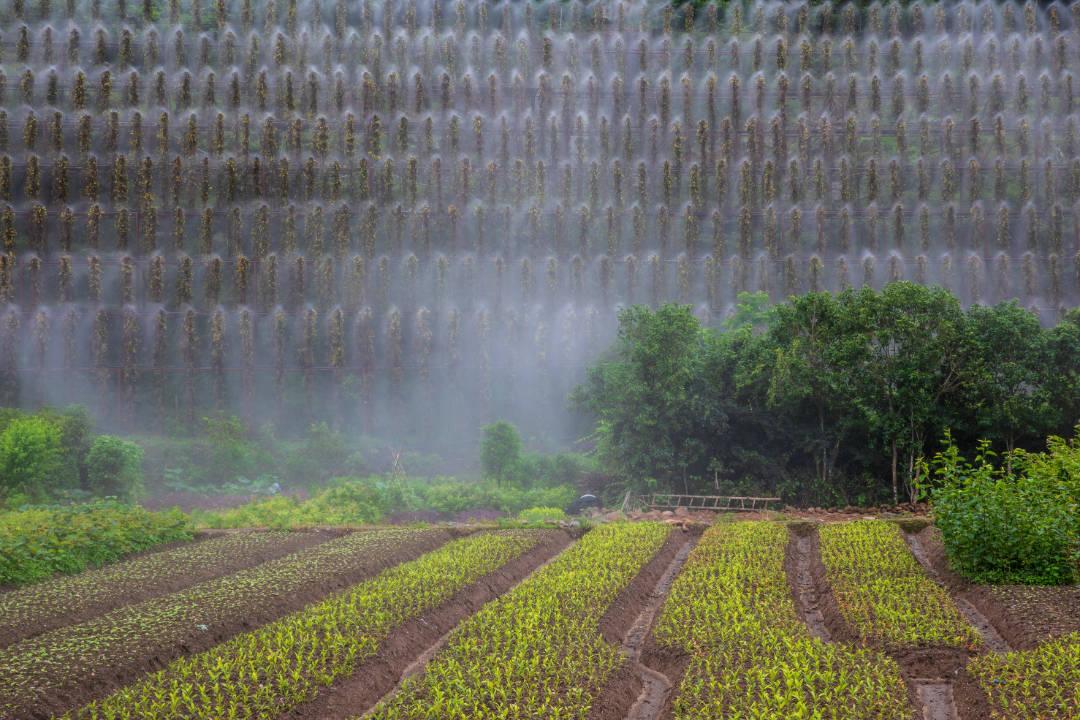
{"points": [[826, 398], [752, 656], [1018, 522], [53, 455], [40, 541]]}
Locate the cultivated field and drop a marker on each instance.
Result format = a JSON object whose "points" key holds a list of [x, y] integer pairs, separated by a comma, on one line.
{"points": [[743, 619]]}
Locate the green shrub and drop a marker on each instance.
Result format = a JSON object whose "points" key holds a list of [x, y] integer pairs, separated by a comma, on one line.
{"points": [[541, 515], [1016, 524], [37, 542], [31, 457], [114, 468]]}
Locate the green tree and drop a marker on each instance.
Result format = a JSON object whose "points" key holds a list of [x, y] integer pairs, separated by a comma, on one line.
{"points": [[1009, 376], [114, 468], [657, 417], [500, 451], [906, 365], [31, 457], [810, 376]]}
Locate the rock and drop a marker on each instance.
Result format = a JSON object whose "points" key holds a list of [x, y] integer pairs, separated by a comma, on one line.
{"points": [[667, 513], [682, 512]]}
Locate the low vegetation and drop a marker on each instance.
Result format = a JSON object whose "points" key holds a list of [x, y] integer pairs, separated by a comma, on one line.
{"points": [[37, 668], [41, 605], [1039, 684], [353, 501], [1014, 521], [271, 670], [38, 542], [731, 611], [883, 592], [537, 652]]}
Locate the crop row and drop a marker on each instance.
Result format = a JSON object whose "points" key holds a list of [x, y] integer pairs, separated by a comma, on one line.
{"points": [[37, 670], [537, 652], [732, 611], [39, 542], [1043, 683], [277, 667], [32, 610], [884, 593]]}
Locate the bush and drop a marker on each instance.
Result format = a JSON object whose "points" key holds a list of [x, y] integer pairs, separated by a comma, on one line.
{"points": [[37, 542], [1003, 525], [31, 457], [541, 515], [114, 468]]}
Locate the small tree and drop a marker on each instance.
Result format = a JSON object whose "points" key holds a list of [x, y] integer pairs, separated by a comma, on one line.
{"points": [[31, 457], [114, 468], [500, 451]]}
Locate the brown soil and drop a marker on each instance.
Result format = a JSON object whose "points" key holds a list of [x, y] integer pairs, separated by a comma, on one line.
{"points": [[131, 595], [147, 654], [1024, 616], [355, 695], [936, 677], [618, 696]]}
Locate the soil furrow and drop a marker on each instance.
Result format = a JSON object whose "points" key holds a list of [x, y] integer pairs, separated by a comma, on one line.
{"points": [[621, 625], [69, 600], [800, 573], [410, 646], [655, 685]]}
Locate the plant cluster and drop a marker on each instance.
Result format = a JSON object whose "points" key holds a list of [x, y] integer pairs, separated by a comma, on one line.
{"points": [[1039, 684], [884, 593], [44, 605], [1017, 522], [38, 542], [42, 665], [731, 611], [537, 651], [275, 668]]}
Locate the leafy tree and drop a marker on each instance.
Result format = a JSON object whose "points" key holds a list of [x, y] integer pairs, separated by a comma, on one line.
{"points": [[500, 451], [656, 415], [114, 468], [31, 456], [1008, 376]]}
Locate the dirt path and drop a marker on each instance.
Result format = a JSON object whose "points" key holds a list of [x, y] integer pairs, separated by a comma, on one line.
{"points": [[623, 627], [806, 589], [409, 648], [937, 699], [655, 685]]}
